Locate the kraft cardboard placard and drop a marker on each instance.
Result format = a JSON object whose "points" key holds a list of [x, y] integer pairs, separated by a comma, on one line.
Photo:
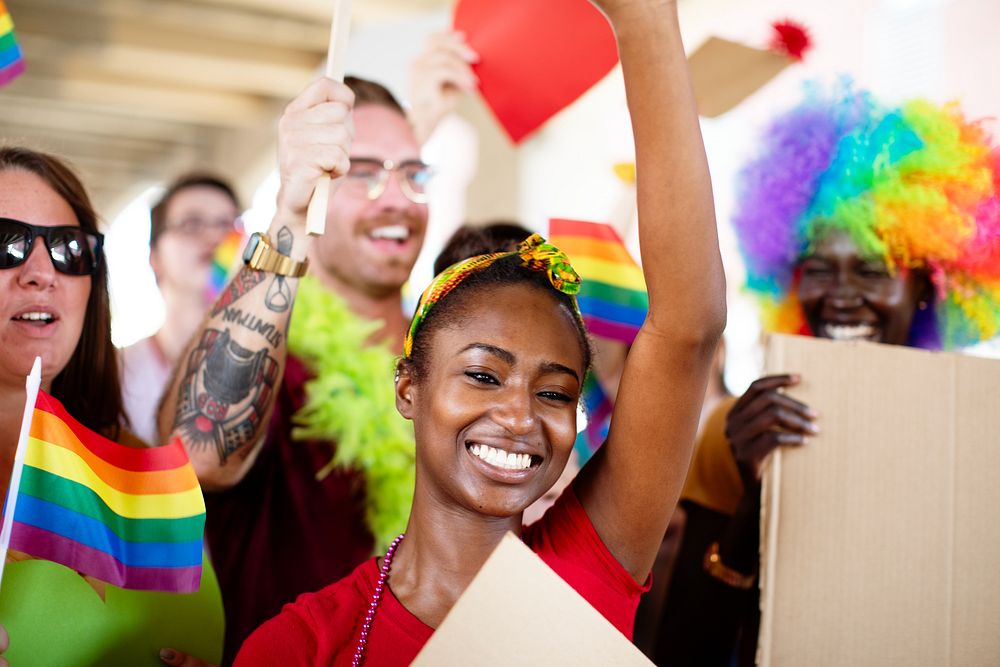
{"points": [[517, 611], [725, 73], [880, 541]]}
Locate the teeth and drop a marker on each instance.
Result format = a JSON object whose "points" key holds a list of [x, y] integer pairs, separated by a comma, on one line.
{"points": [[391, 232], [37, 317], [849, 331], [501, 458]]}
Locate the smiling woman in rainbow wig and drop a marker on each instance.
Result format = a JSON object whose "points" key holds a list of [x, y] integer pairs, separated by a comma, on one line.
{"points": [[856, 221], [491, 378]]}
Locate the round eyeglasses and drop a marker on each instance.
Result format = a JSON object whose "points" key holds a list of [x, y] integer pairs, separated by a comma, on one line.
{"points": [[195, 226], [372, 175]]}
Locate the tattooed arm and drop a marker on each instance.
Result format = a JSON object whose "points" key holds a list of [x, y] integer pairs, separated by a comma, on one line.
{"points": [[222, 393]]}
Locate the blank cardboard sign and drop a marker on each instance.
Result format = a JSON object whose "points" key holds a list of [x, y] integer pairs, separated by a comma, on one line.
{"points": [[725, 73], [880, 541], [517, 611]]}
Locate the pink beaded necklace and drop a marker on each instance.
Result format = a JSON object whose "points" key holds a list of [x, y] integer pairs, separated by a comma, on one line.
{"points": [[359, 653]]}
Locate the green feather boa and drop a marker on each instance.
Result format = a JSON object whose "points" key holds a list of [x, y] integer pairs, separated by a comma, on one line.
{"points": [[351, 403]]}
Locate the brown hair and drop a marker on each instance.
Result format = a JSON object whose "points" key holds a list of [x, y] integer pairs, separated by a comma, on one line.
{"points": [[88, 386], [375, 94], [158, 214], [470, 240]]}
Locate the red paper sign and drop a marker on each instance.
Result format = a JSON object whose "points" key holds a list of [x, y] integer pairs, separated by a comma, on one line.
{"points": [[535, 56]]}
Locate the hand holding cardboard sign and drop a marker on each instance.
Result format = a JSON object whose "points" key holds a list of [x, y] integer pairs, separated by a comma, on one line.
{"points": [[761, 420]]}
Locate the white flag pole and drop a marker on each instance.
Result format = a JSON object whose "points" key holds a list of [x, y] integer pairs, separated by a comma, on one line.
{"points": [[31, 386], [335, 63]]}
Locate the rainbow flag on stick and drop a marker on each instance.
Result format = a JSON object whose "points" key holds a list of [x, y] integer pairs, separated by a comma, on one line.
{"points": [[132, 517], [11, 60], [612, 300]]}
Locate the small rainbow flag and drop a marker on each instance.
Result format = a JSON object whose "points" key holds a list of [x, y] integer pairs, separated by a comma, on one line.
{"points": [[612, 300], [613, 297], [224, 261], [132, 517], [11, 60]]}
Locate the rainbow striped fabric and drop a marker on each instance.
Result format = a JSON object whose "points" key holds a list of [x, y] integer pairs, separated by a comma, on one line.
{"points": [[613, 302], [613, 297], [11, 60], [132, 517]]}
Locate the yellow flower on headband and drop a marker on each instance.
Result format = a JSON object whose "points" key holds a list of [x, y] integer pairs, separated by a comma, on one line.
{"points": [[534, 251]]}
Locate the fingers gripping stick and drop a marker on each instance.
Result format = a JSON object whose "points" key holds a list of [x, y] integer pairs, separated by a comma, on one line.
{"points": [[335, 60]]}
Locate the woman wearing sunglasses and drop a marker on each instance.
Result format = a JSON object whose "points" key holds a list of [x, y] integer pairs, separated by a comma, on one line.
{"points": [[54, 305]]}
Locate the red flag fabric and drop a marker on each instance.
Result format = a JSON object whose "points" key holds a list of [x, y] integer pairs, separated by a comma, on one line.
{"points": [[536, 57]]}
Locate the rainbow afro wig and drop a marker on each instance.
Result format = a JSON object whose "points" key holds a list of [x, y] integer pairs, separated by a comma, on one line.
{"points": [[917, 185]]}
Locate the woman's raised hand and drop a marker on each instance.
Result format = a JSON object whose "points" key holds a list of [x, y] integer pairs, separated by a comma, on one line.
{"points": [[764, 418], [314, 138]]}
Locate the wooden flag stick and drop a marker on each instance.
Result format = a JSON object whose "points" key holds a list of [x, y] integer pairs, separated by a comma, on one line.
{"points": [[336, 57], [31, 385]]}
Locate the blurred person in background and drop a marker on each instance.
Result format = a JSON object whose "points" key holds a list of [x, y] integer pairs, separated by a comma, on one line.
{"points": [[197, 213]]}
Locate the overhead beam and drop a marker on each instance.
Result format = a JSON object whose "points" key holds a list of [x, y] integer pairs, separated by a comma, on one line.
{"points": [[194, 18], [112, 148], [27, 112], [86, 58], [166, 103], [318, 10], [79, 23]]}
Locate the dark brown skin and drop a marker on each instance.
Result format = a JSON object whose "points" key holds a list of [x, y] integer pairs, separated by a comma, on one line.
{"points": [[841, 294], [517, 385], [837, 288], [503, 380], [460, 513], [840, 287]]}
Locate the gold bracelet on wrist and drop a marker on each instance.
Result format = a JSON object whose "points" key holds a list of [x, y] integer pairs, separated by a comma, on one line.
{"points": [[717, 569]]}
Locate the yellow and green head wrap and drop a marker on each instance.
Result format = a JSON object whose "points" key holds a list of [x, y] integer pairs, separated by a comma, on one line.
{"points": [[535, 253]]}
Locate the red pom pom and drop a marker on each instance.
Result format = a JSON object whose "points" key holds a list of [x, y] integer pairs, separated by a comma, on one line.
{"points": [[790, 39]]}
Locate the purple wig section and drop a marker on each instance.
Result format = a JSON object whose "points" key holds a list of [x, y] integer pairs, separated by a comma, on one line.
{"points": [[924, 330], [776, 188]]}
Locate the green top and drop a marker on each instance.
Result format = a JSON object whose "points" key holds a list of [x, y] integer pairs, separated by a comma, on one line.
{"points": [[55, 618]]}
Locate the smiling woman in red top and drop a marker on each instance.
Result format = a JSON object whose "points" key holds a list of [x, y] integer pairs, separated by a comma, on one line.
{"points": [[491, 378]]}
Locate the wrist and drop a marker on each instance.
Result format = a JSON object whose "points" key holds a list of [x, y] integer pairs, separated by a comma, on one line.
{"points": [[287, 232], [641, 13], [717, 569]]}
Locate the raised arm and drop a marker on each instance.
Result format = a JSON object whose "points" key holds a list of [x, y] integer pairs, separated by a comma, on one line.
{"points": [[222, 393], [632, 485]]}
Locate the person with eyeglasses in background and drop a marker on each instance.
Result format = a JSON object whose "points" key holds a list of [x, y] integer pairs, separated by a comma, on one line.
{"points": [[265, 401], [54, 305], [195, 214]]}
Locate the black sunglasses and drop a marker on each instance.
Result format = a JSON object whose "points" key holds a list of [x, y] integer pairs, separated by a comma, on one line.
{"points": [[74, 251]]}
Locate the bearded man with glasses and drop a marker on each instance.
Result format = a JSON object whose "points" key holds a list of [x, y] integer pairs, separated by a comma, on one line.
{"points": [[264, 401]]}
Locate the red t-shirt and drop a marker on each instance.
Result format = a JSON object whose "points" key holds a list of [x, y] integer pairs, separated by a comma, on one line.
{"points": [[323, 628], [280, 532]]}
